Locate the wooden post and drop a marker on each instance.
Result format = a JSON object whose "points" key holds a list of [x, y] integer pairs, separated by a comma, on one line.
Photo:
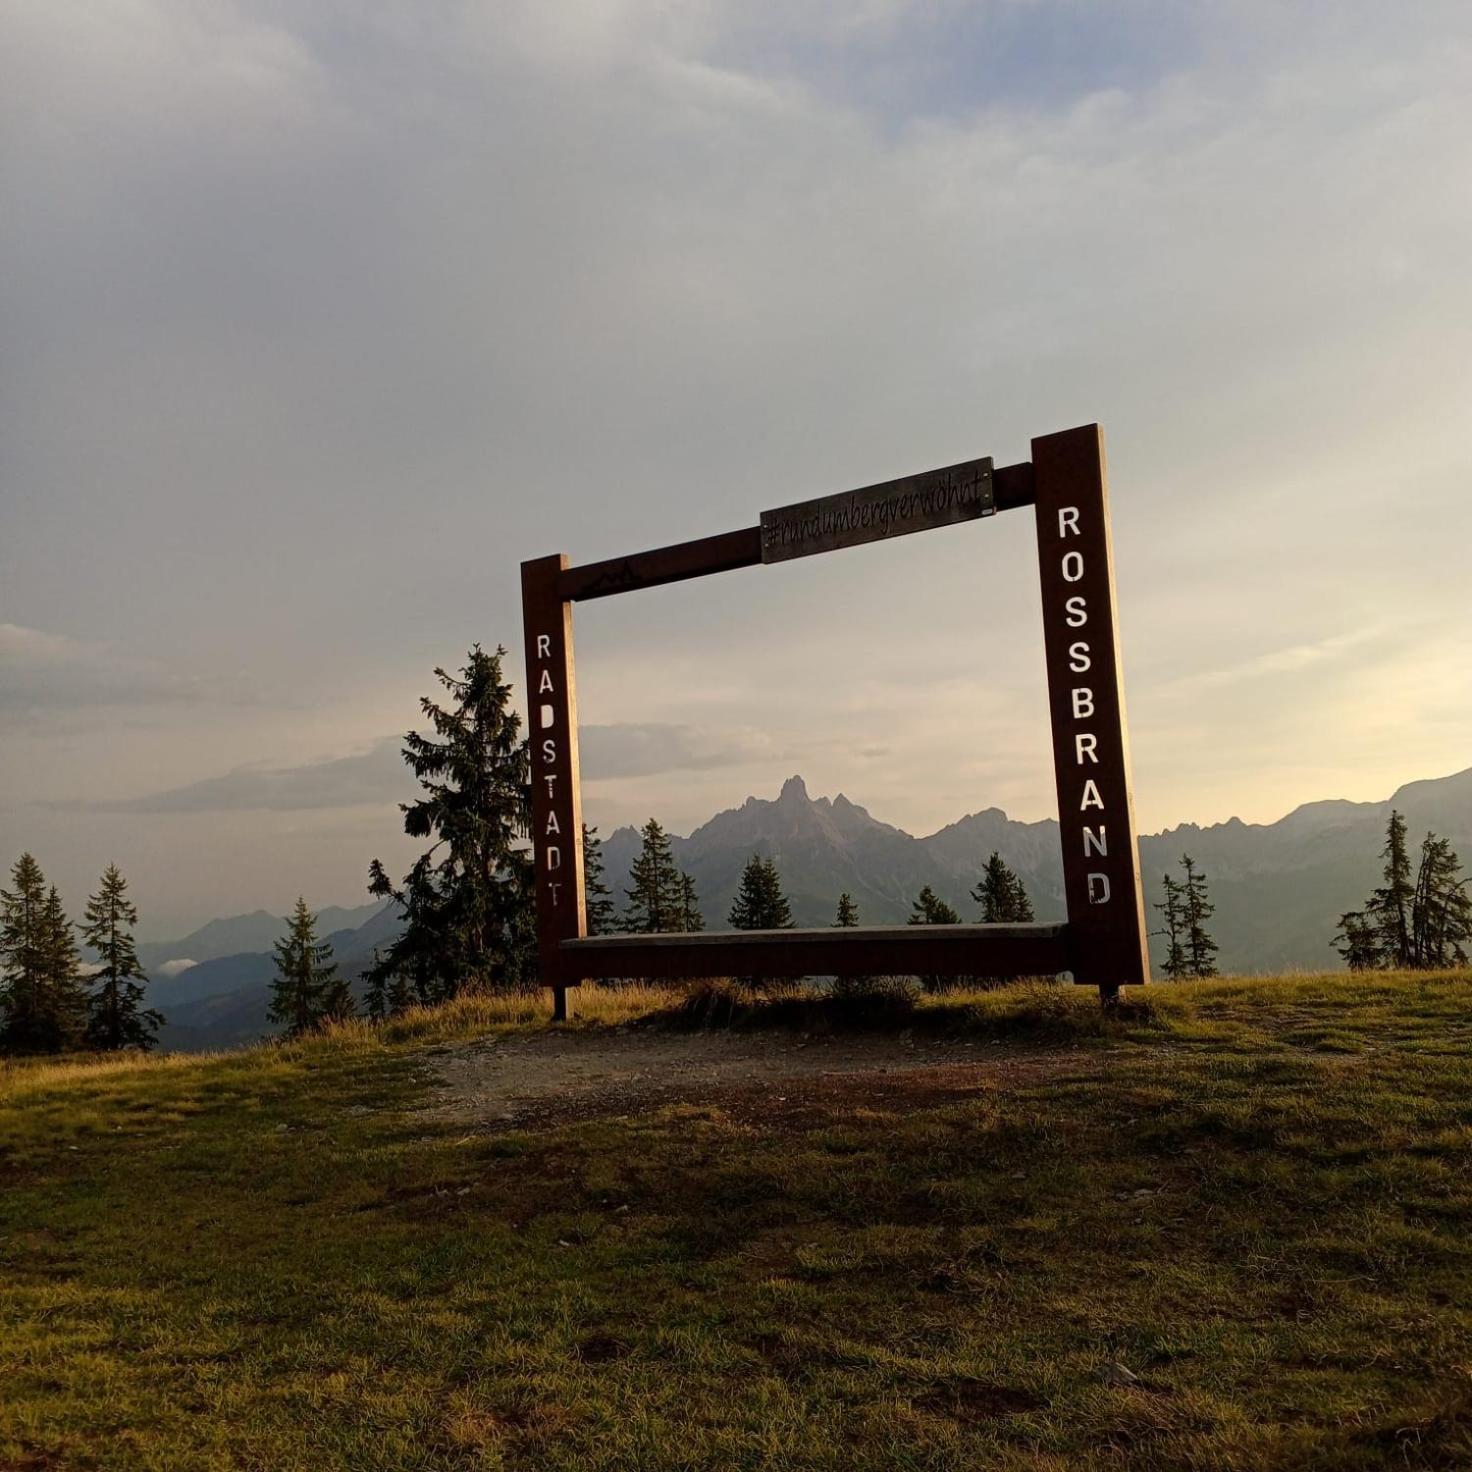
{"points": [[557, 810], [1101, 860]]}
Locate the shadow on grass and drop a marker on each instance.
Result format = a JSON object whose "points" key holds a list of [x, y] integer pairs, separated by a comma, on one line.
{"points": [[1037, 1010]]}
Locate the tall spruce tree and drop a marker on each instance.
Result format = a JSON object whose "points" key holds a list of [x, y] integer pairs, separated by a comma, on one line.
{"points": [[848, 912], [1177, 964], [690, 917], [656, 891], [1393, 900], [602, 919], [467, 903], [43, 1008], [64, 998], [22, 953], [1002, 895], [760, 902], [117, 1017], [1196, 910], [1441, 912], [306, 990]]}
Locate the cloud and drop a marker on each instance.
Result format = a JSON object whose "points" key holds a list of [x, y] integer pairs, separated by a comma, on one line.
{"points": [[644, 750], [43, 673], [376, 776], [318, 319], [175, 968]]}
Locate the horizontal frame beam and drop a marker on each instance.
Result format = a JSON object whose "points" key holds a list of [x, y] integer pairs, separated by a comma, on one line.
{"points": [[727, 551], [897, 950]]}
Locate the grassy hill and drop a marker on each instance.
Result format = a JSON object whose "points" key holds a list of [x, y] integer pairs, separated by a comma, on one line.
{"points": [[1253, 1197]]}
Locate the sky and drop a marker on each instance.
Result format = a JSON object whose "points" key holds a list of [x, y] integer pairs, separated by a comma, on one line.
{"points": [[318, 318]]}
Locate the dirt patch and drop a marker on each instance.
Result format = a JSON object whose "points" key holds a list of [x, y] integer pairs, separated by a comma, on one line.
{"points": [[540, 1079]]}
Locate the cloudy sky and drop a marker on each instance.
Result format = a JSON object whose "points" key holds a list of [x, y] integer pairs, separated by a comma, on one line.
{"points": [[318, 317]]}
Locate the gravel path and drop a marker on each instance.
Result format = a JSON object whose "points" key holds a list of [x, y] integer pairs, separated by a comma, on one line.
{"points": [[543, 1078]]}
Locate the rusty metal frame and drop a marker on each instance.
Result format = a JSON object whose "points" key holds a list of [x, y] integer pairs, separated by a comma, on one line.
{"points": [[1103, 942]]}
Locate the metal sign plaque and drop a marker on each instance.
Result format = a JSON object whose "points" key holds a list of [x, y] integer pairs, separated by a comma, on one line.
{"points": [[915, 503]]}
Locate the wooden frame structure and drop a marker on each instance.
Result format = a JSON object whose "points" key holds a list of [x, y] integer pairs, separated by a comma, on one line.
{"points": [[1103, 941]]}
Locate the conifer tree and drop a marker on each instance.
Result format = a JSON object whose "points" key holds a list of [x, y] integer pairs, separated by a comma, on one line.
{"points": [[1002, 895], [22, 908], [656, 892], [1357, 941], [690, 917], [1421, 924], [1393, 900], [597, 896], [1196, 910], [467, 902], [930, 909], [63, 1019], [848, 912], [307, 989], [117, 1017], [386, 993], [43, 1008], [760, 903], [1177, 964], [1441, 911]]}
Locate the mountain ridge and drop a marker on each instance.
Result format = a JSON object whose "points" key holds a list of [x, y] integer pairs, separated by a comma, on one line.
{"points": [[1279, 887]]}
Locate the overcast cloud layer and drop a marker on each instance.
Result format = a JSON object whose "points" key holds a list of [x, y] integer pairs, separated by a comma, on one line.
{"points": [[319, 318]]}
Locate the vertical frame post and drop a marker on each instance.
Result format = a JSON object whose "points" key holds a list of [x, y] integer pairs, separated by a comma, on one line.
{"points": [[557, 808], [1101, 859]]}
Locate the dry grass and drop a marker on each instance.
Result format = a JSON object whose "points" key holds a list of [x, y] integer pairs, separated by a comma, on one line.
{"points": [[475, 1016], [20, 1077]]}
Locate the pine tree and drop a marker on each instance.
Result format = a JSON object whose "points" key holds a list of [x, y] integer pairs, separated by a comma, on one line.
{"points": [[21, 951], [1441, 911], [1002, 895], [307, 989], [848, 912], [930, 909], [1357, 941], [467, 902], [656, 895], [386, 993], [64, 1010], [1392, 902], [760, 903], [597, 896], [1177, 963], [1406, 924], [1196, 910], [117, 1018], [690, 917], [44, 1005]]}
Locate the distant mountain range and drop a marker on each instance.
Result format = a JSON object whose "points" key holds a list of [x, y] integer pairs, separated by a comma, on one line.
{"points": [[221, 1001], [1279, 887]]}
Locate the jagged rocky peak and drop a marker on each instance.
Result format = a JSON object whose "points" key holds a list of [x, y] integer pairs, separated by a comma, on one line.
{"points": [[794, 789]]}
